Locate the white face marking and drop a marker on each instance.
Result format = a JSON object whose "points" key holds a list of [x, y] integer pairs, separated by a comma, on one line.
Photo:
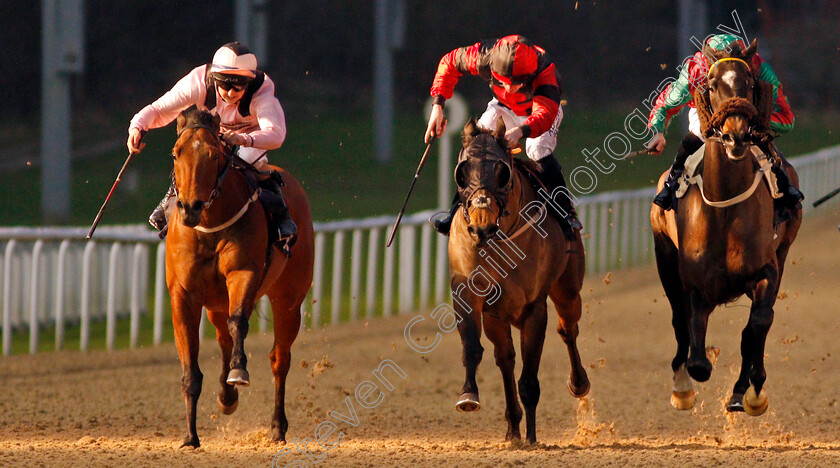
{"points": [[729, 78], [196, 144]]}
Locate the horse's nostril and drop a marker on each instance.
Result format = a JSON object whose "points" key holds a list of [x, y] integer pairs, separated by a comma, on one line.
{"points": [[179, 204], [197, 205], [471, 229]]}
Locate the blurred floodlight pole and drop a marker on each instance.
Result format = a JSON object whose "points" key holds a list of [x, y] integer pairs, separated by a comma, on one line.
{"points": [[62, 55], [251, 27], [389, 35]]}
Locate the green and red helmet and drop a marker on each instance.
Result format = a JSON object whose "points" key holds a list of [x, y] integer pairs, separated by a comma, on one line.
{"points": [[514, 60]]}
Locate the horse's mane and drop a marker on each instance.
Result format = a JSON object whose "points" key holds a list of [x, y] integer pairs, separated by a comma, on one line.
{"points": [[762, 94], [193, 116]]}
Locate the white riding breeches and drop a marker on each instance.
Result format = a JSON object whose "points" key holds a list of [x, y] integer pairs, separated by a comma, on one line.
{"points": [[254, 156], [694, 123], [536, 148]]}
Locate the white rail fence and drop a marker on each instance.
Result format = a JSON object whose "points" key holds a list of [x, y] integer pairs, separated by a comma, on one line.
{"points": [[53, 279]]}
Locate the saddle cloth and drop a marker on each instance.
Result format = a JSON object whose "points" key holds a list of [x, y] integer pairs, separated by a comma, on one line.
{"points": [[694, 165]]}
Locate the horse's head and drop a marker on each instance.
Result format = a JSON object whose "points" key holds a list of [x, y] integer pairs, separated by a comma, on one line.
{"points": [[483, 176], [730, 96], [199, 162]]}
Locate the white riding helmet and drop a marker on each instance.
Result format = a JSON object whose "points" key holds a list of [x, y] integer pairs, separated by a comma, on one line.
{"points": [[234, 58]]}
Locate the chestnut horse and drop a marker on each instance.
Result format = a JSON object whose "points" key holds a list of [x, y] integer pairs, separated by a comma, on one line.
{"points": [[216, 257], [717, 248], [507, 253]]}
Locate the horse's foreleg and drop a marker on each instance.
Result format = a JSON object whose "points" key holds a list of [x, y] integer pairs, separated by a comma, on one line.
{"points": [[286, 326], [753, 338], [531, 342], [698, 364], [470, 330], [567, 302], [228, 395], [498, 331], [237, 325], [185, 319], [242, 289]]}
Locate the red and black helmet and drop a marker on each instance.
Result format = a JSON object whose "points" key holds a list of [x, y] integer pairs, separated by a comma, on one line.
{"points": [[513, 60]]}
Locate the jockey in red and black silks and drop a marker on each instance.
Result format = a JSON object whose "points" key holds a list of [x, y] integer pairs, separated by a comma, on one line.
{"points": [[526, 96]]}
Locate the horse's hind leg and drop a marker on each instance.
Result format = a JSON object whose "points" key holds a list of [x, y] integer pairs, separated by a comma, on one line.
{"points": [[228, 395], [683, 395], [286, 326], [532, 338], [747, 395], [498, 331], [186, 317]]}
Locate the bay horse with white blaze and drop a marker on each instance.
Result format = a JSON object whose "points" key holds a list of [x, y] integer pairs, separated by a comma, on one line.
{"points": [[507, 254], [722, 242], [218, 257]]}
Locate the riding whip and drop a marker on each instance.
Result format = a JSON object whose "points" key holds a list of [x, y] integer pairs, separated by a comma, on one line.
{"points": [[410, 189], [826, 197], [105, 203], [636, 153]]}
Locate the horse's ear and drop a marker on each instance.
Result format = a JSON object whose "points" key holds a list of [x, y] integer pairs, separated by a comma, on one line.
{"points": [[217, 122], [470, 132], [499, 133], [182, 120], [751, 50]]}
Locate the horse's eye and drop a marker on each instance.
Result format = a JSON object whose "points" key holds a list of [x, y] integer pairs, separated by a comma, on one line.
{"points": [[174, 155]]}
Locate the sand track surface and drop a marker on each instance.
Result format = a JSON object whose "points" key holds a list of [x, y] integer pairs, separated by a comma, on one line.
{"points": [[125, 409]]}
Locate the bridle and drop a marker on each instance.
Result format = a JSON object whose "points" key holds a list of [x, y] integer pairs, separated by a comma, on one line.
{"points": [[752, 135], [500, 195], [220, 177]]}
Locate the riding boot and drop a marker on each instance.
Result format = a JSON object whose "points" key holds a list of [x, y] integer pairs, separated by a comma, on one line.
{"points": [[280, 219], [158, 217], [688, 146], [444, 224], [789, 202], [552, 175]]}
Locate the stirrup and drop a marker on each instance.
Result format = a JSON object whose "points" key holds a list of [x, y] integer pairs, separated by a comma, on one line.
{"points": [[442, 225], [158, 218]]}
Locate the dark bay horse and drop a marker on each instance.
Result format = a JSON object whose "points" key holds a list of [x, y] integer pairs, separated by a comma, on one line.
{"points": [[216, 253], [722, 244], [507, 254]]}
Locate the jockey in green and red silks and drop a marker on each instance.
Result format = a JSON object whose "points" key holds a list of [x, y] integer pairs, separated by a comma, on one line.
{"points": [[674, 98], [526, 96]]}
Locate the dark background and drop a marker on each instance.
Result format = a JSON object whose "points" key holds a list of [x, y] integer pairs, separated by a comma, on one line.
{"points": [[609, 52]]}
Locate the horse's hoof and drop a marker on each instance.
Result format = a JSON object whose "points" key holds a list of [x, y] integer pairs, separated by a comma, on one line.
{"points": [[699, 369], [191, 442], [578, 392], [468, 403], [275, 436], [227, 409], [755, 405], [683, 400], [735, 403], [238, 377]]}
